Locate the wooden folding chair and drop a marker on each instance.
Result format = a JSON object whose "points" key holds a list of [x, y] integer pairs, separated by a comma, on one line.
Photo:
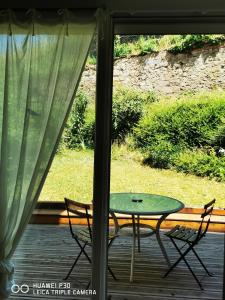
{"points": [[83, 235], [191, 238]]}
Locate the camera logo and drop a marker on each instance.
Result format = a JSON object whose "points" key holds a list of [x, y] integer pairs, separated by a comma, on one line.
{"points": [[24, 288]]}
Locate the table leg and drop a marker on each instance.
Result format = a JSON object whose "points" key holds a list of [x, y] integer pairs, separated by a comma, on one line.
{"points": [[138, 233], [133, 249], [157, 232]]}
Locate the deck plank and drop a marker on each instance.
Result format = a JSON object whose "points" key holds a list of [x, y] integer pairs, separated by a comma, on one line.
{"points": [[46, 252]]}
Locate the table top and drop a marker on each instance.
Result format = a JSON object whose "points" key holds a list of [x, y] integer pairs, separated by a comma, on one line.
{"points": [[143, 204]]}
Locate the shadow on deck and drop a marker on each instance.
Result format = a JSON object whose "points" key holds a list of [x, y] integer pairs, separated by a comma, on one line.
{"points": [[46, 252]]}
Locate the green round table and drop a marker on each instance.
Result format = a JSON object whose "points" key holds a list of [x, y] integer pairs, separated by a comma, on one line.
{"points": [[141, 204]]}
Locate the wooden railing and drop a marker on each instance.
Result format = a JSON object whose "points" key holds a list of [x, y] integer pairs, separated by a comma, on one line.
{"points": [[54, 213]]}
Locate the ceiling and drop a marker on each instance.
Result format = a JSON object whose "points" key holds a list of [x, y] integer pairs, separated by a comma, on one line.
{"points": [[178, 7]]}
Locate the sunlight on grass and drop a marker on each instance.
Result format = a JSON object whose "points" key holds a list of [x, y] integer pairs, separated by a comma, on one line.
{"points": [[71, 175]]}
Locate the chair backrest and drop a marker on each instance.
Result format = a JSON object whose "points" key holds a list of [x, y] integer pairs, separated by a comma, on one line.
{"points": [[78, 209], [205, 216]]}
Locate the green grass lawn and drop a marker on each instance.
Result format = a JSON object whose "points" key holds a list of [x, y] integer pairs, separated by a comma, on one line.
{"points": [[71, 175]]}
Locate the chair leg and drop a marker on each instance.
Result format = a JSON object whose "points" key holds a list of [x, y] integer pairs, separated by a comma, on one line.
{"points": [[71, 269], [177, 262], [187, 264], [86, 255], [88, 285], [82, 250], [88, 258], [109, 269], [182, 257], [76, 260], [112, 274], [201, 262], [110, 242]]}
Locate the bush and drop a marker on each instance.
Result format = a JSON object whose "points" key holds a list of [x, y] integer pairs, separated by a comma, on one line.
{"points": [[169, 130], [127, 109], [89, 127], [188, 124], [121, 49], [201, 163], [125, 46], [91, 60], [186, 43], [218, 140], [161, 155], [73, 135], [146, 45], [140, 46]]}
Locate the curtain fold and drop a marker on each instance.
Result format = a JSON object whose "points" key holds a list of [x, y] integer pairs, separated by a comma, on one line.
{"points": [[41, 62]]}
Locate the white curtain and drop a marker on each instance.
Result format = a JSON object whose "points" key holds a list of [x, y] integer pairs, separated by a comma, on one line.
{"points": [[41, 60]]}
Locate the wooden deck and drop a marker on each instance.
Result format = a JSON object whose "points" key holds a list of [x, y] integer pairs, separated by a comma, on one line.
{"points": [[47, 251]]}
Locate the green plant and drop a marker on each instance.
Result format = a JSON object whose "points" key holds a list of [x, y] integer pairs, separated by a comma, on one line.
{"points": [[161, 154], [127, 109], [169, 130], [218, 139], [201, 163], [149, 97], [140, 46], [186, 123], [128, 105], [125, 46], [91, 60], [165, 42], [146, 45], [121, 49], [73, 136], [89, 127], [186, 43]]}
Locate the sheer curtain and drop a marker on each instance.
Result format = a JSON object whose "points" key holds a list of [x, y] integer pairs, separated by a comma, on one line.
{"points": [[41, 60]]}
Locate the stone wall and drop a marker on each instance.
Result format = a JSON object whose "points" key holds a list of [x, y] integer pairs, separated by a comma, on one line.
{"points": [[202, 69]]}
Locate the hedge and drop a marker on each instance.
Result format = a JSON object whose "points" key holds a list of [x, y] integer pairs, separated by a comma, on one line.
{"points": [[169, 131]]}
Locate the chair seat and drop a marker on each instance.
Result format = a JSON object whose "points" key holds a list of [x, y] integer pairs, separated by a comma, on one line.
{"points": [[112, 235], [84, 235], [183, 233]]}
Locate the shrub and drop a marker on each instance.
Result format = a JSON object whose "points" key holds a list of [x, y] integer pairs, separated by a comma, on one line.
{"points": [[127, 110], [186, 123], [186, 43], [73, 136], [125, 46], [121, 49], [218, 140], [89, 127], [165, 42], [141, 46], [201, 163], [91, 60], [170, 135], [161, 154], [146, 45]]}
